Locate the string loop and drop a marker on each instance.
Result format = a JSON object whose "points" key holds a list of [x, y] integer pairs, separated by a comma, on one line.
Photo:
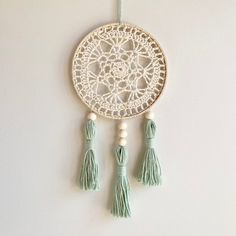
{"points": [[119, 10]]}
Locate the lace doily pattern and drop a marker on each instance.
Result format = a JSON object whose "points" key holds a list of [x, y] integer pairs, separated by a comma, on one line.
{"points": [[119, 70]]}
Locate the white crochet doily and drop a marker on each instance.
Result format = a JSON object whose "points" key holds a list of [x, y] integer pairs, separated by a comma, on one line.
{"points": [[119, 70]]}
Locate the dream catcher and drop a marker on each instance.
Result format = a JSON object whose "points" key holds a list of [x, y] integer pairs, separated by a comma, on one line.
{"points": [[119, 72]]}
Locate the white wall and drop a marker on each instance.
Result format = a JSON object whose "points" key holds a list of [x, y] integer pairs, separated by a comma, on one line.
{"points": [[41, 121]]}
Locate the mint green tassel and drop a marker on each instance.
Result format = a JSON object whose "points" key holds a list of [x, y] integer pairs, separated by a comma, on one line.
{"points": [[120, 204], [89, 171], [150, 172]]}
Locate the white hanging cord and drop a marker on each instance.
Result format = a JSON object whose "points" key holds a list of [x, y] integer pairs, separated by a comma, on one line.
{"points": [[120, 10]]}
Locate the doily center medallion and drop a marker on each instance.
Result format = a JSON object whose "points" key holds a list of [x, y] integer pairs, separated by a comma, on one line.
{"points": [[119, 70]]}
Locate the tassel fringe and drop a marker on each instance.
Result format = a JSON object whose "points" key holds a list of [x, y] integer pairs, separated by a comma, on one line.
{"points": [[120, 204], [89, 170], [150, 171]]}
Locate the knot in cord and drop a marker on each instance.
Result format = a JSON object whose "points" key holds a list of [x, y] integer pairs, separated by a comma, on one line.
{"points": [[121, 170], [149, 142], [89, 143]]}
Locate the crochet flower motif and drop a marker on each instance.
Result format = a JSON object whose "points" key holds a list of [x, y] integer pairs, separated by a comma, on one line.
{"points": [[119, 71], [117, 74]]}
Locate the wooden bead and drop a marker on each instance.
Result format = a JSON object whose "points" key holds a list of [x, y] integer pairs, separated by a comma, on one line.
{"points": [[92, 116], [149, 115], [123, 133], [122, 142], [123, 126]]}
